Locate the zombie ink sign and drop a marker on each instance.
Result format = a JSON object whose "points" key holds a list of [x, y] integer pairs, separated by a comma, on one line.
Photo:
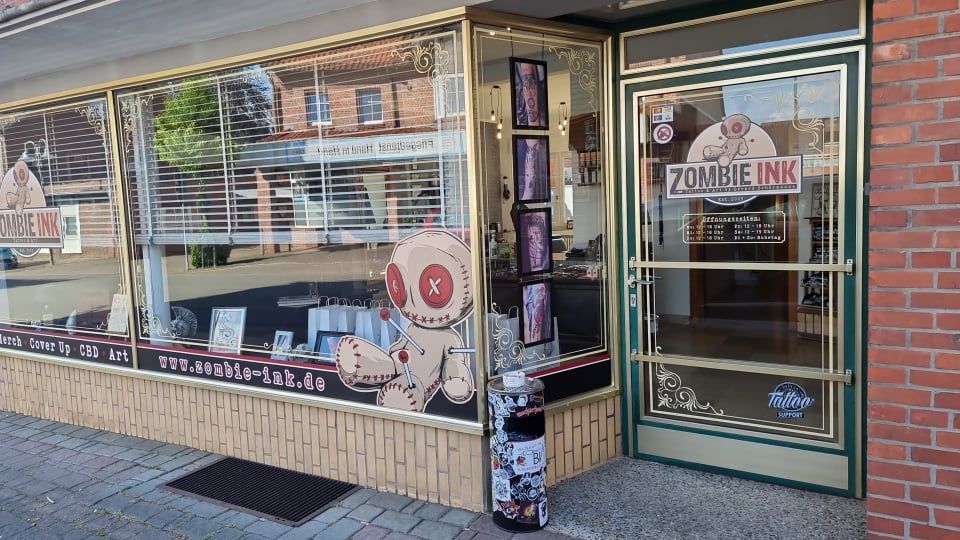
{"points": [[26, 223], [732, 162]]}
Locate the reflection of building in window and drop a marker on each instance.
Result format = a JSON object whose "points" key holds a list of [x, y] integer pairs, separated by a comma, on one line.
{"points": [[369, 106], [318, 108]]}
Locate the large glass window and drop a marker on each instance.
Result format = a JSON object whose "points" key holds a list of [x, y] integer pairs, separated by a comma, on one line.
{"points": [[59, 237], [272, 241], [541, 139]]}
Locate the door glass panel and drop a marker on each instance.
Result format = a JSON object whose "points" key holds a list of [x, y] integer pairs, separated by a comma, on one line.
{"points": [[744, 172], [796, 407], [767, 316]]}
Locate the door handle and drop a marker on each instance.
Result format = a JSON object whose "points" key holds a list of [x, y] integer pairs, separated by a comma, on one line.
{"points": [[632, 281]]}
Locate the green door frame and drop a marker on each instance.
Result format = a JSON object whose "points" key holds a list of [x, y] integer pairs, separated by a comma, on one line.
{"points": [[853, 57]]}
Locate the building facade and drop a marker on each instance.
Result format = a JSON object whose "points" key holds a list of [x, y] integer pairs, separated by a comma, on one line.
{"points": [[311, 238]]}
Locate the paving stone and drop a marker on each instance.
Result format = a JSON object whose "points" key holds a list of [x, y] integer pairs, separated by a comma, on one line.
{"points": [[400, 536], [304, 532], [413, 507], [332, 514], [226, 533], [486, 525], [460, 518], [466, 535], [434, 530], [269, 529], [396, 521], [66, 429], [371, 532], [390, 501], [432, 511], [365, 513], [205, 509], [199, 527], [115, 504], [142, 510], [240, 520], [165, 518], [341, 530], [357, 498]]}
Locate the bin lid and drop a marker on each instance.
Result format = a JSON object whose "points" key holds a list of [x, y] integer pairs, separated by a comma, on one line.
{"points": [[515, 384]]}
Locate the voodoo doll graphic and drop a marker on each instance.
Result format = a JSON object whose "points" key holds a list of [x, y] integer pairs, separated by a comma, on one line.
{"points": [[429, 281], [20, 197]]}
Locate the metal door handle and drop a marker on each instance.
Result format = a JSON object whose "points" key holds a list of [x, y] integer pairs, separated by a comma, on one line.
{"points": [[632, 281]]}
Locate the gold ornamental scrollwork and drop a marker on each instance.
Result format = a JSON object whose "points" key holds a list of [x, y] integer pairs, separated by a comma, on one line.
{"points": [[582, 64], [95, 115], [672, 394], [131, 111], [428, 59], [509, 353]]}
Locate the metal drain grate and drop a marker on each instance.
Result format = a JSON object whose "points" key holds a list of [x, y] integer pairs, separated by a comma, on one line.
{"points": [[287, 497]]}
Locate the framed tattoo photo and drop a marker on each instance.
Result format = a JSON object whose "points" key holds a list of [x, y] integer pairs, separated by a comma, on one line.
{"points": [[528, 79], [282, 345], [326, 343], [226, 329], [531, 168], [536, 313], [534, 255]]}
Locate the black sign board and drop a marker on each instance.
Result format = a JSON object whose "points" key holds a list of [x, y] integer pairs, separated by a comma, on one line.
{"points": [[735, 228], [103, 351], [296, 377]]}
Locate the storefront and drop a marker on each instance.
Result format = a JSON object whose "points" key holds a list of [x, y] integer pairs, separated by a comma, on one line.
{"points": [[311, 259], [316, 252]]}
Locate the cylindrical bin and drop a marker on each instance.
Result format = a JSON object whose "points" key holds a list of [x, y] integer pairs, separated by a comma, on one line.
{"points": [[518, 452]]}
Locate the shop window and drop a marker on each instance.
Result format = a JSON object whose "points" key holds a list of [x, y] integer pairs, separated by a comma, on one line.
{"points": [[318, 108], [264, 246], [59, 236], [738, 34], [541, 120], [369, 106]]}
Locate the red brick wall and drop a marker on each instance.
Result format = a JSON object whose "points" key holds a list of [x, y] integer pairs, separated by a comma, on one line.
{"points": [[913, 463]]}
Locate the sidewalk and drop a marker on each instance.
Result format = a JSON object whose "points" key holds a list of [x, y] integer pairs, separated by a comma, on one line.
{"points": [[59, 481]]}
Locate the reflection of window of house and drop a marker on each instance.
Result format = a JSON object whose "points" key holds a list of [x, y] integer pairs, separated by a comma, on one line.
{"points": [[318, 108], [369, 106], [448, 97]]}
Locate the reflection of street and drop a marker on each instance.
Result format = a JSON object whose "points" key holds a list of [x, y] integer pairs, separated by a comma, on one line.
{"points": [[248, 270], [257, 281], [36, 288]]}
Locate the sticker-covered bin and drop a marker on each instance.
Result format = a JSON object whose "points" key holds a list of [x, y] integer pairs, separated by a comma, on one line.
{"points": [[518, 453]]}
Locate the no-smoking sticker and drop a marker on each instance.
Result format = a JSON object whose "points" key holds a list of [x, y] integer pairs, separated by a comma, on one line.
{"points": [[662, 133]]}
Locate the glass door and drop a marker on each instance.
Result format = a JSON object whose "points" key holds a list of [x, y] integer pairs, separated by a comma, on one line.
{"points": [[742, 272]]}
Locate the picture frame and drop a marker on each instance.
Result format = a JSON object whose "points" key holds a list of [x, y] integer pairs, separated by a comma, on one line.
{"points": [[282, 345], [528, 82], [325, 344], [226, 329], [537, 189], [536, 312], [117, 319], [819, 199], [534, 242]]}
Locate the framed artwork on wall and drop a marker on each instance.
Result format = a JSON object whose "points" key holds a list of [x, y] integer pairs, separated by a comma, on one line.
{"points": [[531, 168], [226, 329], [528, 78], [534, 254], [536, 313]]}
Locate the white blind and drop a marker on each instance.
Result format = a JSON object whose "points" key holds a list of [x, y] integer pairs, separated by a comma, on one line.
{"points": [[239, 156], [67, 147]]}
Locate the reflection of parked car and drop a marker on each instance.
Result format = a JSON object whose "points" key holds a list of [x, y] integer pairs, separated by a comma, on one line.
{"points": [[8, 258]]}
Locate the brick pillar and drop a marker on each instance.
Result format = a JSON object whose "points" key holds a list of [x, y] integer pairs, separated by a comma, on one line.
{"points": [[913, 392]]}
